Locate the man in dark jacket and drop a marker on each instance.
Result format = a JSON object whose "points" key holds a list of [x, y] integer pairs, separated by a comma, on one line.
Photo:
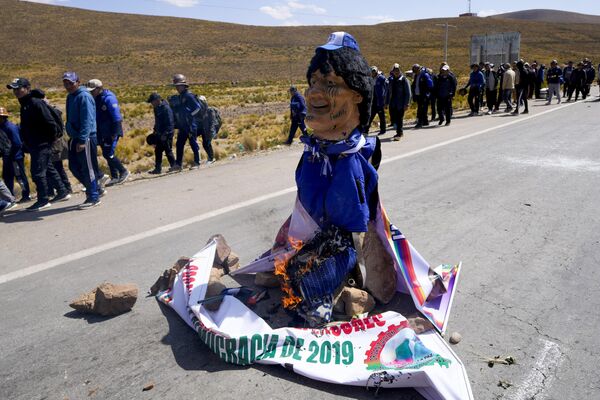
{"points": [[446, 89], [380, 88], [421, 88], [554, 78], [500, 78], [185, 108], [164, 126], [491, 87], [567, 71], [522, 87], [590, 75], [109, 125], [13, 165], [578, 81], [38, 131], [398, 99], [297, 114], [476, 84]]}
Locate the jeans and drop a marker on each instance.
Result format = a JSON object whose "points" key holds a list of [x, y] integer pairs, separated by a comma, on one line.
{"points": [[15, 169], [445, 108], [474, 98], [398, 117], [507, 97], [59, 167], [522, 93], [43, 171], [182, 137], [422, 108], [5, 194], [381, 112], [166, 147]]}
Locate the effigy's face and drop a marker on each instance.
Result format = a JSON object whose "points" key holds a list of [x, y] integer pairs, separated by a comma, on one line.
{"points": [[332, 107]]}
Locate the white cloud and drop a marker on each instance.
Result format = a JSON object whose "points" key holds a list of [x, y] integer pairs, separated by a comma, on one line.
{"points": [[487, 13], [277, 12], [46, 1], [291, 22], [379, 19], [181, 3], [309, 7]]}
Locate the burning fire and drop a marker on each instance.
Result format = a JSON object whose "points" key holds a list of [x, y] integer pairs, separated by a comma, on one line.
{"points": [[289, 299]]}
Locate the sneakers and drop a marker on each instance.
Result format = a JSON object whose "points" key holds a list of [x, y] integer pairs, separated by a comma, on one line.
{"points": [[61, 197], [103, 179], [195, 166], [123, 177], [210, 162], [175, 168], [8, 207], [525, 112], [37, 206], [441, 121], [155, 172], [112, 182], [102, 192], [397, 136], [89, 204], [24, 199]]}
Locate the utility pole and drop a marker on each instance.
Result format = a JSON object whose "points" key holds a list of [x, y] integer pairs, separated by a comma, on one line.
{"points": [[469, 6], [446, 37]]}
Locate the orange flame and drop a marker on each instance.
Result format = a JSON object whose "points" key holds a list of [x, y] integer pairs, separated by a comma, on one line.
{"points": [[289, 299]]}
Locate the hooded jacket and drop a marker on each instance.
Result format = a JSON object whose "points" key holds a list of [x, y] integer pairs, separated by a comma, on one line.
{"points": [[81, 116], [108, 116], [37, 124]]}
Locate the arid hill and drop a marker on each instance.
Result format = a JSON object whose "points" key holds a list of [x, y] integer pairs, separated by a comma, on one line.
{"points": [[41, 41], [541, 15]]}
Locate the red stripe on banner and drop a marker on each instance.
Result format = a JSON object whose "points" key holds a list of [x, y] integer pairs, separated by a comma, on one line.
{"points": [[407, 261]]}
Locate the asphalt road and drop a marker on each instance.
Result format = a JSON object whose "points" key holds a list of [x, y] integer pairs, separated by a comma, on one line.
{"points": [[514, 198]]}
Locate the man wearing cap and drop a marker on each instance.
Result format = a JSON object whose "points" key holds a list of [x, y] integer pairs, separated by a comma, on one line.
{"points": [[491, 87], [297, 114], [421, 88], [508, 86], [81, 128], [164, 126], [476, 84], [567, 71], [380, 88], [554, 77], [398, 99], [38, 131], [185, 110], [109, 126], [446, 91], [13, 165]]}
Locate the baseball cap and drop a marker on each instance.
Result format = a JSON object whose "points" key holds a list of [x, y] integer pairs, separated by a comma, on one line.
{"points": [[396, 66], [337, 40], [18, 83], [70, 76], [374, 68], [152, 97], [445, 68], [93, 84]]}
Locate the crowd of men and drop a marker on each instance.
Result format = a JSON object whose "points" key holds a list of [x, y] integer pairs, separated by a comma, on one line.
{"points": [[509, 84], [93, 118]]}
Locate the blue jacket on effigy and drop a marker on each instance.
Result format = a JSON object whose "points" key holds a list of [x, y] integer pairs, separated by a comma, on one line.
{"points": [[81, 116], [108, 116], [297, 105], [336, 181]]}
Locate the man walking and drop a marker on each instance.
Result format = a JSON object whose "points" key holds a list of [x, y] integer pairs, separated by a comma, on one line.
{"points": [[421, 88], [109, 126], [185, 110], [81, 128], [13, 165], [508, 86], [476, 84], [554, 77], [522, 87], [578, 81], [380, 88], [164, 126], [297, 114], [491, 87], [38, 131], [446, 90], [398, 99]]}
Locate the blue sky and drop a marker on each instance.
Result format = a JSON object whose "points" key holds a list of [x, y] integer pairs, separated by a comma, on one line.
{"points": [[324, 12]]}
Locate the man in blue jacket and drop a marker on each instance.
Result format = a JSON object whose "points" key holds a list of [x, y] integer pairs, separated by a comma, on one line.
{"points": [[297, 114], [186, 110], [476, 84], [164, 126], [13, 166], [81, 128], [109, 126], [380, 88], [422, 86], [398, 99]]}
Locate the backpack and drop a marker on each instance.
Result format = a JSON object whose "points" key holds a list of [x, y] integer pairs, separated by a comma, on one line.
{"points": [[5, 144], [59, 128], [215, 117]]}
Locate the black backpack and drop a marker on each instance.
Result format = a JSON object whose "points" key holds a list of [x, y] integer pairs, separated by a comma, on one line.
{"points": [[59, 128], [5, 144], [215, 116]]}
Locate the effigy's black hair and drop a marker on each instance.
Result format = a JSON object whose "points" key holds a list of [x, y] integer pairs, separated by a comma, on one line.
{"points": [[353, 68]]}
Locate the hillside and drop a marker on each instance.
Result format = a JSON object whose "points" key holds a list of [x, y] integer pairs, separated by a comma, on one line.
{"points": [[41, 41], [540, 15]]}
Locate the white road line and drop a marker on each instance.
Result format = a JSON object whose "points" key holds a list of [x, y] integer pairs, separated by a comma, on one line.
{"points": [[176, 225], [541, 375]]}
